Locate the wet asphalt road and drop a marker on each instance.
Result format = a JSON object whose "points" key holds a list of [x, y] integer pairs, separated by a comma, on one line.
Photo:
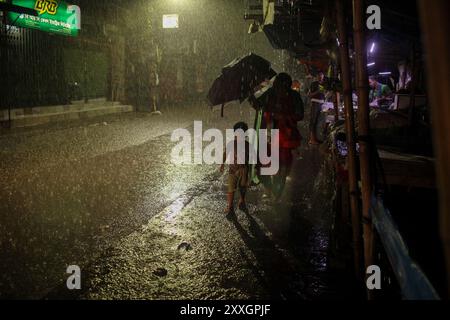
{"points": [[103, 195]]}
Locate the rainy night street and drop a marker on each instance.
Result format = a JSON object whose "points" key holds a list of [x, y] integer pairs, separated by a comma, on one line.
{"points": [[224, 158], [104, 195]]}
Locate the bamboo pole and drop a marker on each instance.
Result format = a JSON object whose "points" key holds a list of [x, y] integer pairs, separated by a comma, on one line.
{"points": [[363, 126], [436, 28], [336, 102], [350, 130]]}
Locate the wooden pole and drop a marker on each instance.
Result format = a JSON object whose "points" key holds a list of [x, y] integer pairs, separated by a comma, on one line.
{"points": [[363, 126], [436, 28], [350, 133]]}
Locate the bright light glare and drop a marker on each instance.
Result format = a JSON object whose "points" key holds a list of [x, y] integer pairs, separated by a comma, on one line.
{"points": [[170, 21], [385, 73], [372, 49], [371, 64]]}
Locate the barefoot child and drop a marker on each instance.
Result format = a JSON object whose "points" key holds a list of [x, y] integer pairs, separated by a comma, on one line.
{"points": [[238, 173]]}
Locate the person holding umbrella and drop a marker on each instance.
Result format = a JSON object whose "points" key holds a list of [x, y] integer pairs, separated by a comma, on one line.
{"points": [[282, 108], [279, 107]]}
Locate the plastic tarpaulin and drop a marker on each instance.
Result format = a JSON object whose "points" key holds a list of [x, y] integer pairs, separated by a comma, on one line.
{"points": [[413, 282], [269, 11]]}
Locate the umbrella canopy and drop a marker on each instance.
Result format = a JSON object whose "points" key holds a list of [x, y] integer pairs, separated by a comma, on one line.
{"points": [[264, 88], [239, 79]]}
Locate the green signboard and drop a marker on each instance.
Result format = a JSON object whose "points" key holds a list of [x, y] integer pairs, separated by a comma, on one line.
{"points": [[53, 16]]}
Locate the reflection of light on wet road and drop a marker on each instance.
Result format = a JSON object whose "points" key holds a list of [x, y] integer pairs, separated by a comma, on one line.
{"points": [[175, 208], [320, 245]]}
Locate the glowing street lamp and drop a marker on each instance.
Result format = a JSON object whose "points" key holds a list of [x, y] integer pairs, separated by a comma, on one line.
{"points": [[170, 21]]}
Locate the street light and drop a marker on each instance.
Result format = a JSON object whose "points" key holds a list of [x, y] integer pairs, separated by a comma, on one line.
{"points": [[170, 21]]}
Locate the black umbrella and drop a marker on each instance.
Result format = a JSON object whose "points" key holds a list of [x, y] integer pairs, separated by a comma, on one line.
{"points": [[239, 79]]}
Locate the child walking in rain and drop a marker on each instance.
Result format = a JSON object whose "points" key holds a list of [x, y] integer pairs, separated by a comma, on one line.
{"points": [[238, 172]]}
